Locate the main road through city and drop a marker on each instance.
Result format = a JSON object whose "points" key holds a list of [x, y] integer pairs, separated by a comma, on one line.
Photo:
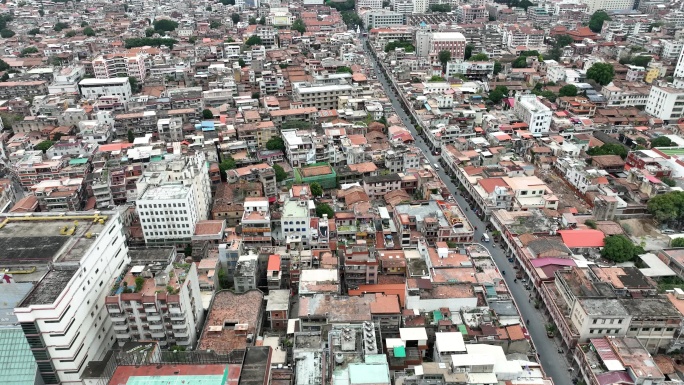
{"points": [[553, 362]]}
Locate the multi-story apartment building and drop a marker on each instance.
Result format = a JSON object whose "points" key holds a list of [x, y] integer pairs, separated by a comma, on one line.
{"points": [[157, 302], [66, 80], [521, 36], [309, 114], [360, 265], [299, 147], [608, 5], [628, 94], [120, 65], [431, 43], [93, 89], [60, 195], [247, 273], [11, 90], [32, 169], [371, 4], [467, 13], [261, 172], [377, 18], [172, 197], [63, 317], [170, 130], [666, 103], [256, 222], [323, 97], [537, 116], [436, 222], [295, 221], [140, 123]]}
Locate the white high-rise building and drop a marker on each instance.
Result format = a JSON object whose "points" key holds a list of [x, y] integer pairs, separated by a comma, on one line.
{"points": [[608, 5], [96, 88], [537, 116], [64, 317], [172, 197], [120, 64], [666, 103]]}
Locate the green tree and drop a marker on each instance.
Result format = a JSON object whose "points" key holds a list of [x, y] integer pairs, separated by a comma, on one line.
{"points": [[139, 283], [608, 149], [294, 124], [6, 33], [59, 26], [444, 57], [324, 208], [70, 33], [165, 25], [280, 173], [591, 224], [33, 31], [134, 83], [207, 114], [662, 141], [440, 8], [215, 24], [130, 136], [667, 208], [549, 95], [316, 189], [479, 57], [235, 17], [618, 248], [3, 65], [668, 181], [84, 24], [498, 94], [241, 63], [149, 32], [256, 95], [436, 78], [192, 39], [568, 90], [497, 67], [88, 31], [601, 73], [224, 282], [41, 12], [468, 51], [253, 40], [28, 51], [641, 61], [228, 163], [44, 145], [520, 62], [252, 20], [597, 19], [407, 46], [275, 143], [343, 69], [677, 242], [298, 25], [262, 21], [563, 41]]}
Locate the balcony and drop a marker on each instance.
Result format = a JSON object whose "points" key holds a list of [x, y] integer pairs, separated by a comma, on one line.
{"points": [[174, 310], [154, 318], [159, 335], [150, 309], [179, 325], [121, 326], [113, 310], [118, 318], [156, 326], [183, 334], [177, 317], [122, 334]]}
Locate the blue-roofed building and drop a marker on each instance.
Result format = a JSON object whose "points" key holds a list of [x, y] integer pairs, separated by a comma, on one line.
{"points": [[17, 363]]}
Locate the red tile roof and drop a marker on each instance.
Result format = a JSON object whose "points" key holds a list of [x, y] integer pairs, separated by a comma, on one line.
{"points": [[582, 238]]}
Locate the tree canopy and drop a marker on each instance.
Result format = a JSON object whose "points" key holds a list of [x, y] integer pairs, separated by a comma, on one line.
{"points": [[88, 31], [407, 46], [677, 242], [568, 90], [235, 17], [28, 51], [563, 41], [520, 62], [59, 26], [298, 25], [207, 114], [6, 33], [316, 189], [324, 208], [344, 69], [668, 208], [275, 143], [33, 31], [597, 19], [468, 51], [661, 141], [601, 73], [165, 25], [498, 94], [253, 40], [440, 8], [44, 145], [608, 149], [479, 57], [3, 65], [280, 173], [215, 24], [292, 124], [619, 248], [152, 42]]}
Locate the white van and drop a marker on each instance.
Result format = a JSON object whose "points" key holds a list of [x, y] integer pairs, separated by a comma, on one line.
{"points": [[436, 166], [485, 238]]}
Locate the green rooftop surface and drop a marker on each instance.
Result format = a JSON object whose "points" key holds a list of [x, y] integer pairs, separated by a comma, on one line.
{"points": [[462, 329], [671, 150], [400, 352], [78, 161], [176, 380], [437, 315]]}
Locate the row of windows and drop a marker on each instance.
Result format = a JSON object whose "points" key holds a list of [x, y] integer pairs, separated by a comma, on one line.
{"points": [[161, 205], [171, 226], [172, 219], [163, 233]]}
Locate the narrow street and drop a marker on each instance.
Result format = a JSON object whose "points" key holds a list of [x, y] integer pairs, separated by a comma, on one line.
{"points": [[554, 363]]}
